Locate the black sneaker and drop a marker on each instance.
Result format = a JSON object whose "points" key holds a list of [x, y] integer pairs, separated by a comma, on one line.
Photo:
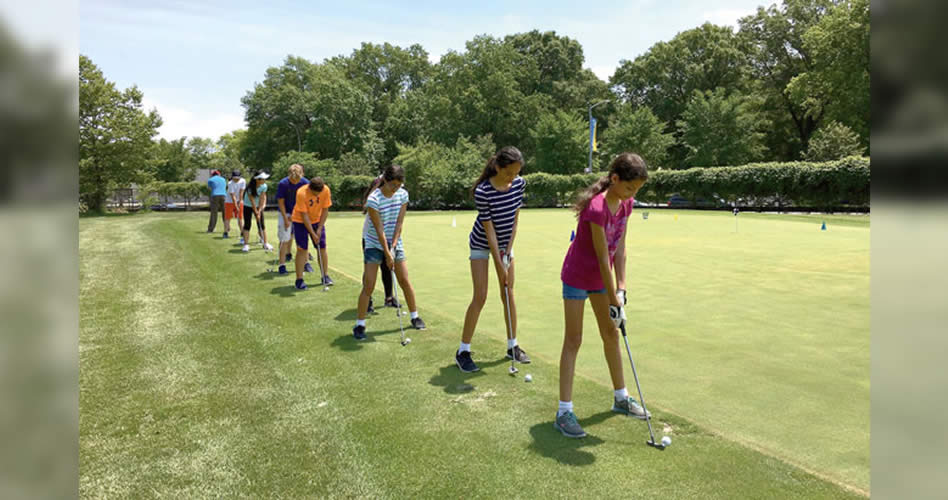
{"points": [[307, 268], [464, 361], [225, 235], [521, 356], [371, 310], [359, 332], [328, 281], [300, 285], [391, 302], [418, 323]]}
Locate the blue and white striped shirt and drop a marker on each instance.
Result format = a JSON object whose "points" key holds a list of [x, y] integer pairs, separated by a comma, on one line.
{"points": [[498, 207], [388, 209]]}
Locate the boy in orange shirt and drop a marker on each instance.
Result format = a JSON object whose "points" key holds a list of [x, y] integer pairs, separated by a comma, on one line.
{"points": [[309, 221]]}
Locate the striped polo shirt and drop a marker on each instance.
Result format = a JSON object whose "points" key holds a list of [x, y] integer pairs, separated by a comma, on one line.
{"points": [[388, 209], [498, 207]]}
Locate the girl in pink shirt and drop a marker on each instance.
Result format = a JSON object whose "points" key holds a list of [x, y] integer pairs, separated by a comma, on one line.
{"points": [[599, 247]]}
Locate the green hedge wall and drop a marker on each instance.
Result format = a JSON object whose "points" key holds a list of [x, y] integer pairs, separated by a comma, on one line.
{"points": [[801, 184]]}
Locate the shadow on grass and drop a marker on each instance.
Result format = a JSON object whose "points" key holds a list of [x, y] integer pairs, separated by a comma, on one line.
{"points": [[348, 343], [453, 380], [550, 443], [286, 291], [268, 275]]}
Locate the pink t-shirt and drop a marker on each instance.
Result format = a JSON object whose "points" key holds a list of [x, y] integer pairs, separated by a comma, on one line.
{"points": [[580, 268]]}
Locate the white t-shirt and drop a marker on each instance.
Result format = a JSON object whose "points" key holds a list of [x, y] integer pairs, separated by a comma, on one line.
{"points": [[234, 188]]}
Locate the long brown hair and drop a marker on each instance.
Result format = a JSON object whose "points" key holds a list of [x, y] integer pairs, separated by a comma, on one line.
{"points": [[506, 156], [628, 166]]}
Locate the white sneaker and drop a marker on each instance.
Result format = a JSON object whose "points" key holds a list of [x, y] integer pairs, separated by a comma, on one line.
{"points": [[268, 247], [246, 248]]}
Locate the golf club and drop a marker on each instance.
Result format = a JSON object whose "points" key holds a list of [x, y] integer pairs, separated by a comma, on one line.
{"points": [[648, 418], [398, 309], [513, 353], [319, 262]]}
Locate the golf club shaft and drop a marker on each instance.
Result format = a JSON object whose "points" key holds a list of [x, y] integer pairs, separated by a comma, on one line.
{"points": [[319, 261], [648, 419], [510, 331], [398, 304]]}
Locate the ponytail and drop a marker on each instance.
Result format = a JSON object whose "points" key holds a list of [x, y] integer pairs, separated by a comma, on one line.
{"points": [[506, 156], [626, 166]]}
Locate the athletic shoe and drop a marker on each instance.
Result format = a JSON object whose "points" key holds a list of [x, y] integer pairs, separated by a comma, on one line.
{"points": [[225, 236], [307, 268], [246, 248], [289, 257], [300, 285], [391, 302], [268, 247], [567, 424], [629, 407], [371, 309], [328, 281], [521, 356], [464, 361], [418, 324], [311, 256], [283, 270], [359, 332], [241, 240]]}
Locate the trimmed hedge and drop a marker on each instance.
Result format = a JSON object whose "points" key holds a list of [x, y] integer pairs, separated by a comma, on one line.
{"points": [[801, 184]]}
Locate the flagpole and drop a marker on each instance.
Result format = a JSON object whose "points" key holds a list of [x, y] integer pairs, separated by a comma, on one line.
{"points": [[592, 138]]}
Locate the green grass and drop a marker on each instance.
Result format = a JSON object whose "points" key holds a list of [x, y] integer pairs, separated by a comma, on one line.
{"points": [[201, 374]]}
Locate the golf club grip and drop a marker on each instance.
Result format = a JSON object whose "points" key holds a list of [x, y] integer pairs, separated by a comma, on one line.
{"points": [[622, 328]]}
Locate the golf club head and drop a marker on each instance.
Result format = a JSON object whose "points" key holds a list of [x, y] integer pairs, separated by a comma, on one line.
{"points": [[512, 370], [653, 444], [406, 342]]}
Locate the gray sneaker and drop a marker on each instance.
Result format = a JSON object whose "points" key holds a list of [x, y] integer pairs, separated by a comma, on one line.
{"points": [[629, 407], [567, 424]]}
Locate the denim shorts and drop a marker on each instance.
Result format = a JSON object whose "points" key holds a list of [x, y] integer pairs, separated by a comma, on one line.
{"points": [[574, 293], [376, 256], [478, 254]]}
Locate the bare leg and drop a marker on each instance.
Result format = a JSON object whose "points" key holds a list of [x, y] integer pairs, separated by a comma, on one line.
{"points": [[479, 277], [572, 339]]}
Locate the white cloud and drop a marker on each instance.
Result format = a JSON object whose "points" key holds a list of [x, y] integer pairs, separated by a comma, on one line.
{"points": [[179, 122], [726, 17]]}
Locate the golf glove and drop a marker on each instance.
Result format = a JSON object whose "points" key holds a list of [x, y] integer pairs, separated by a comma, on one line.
{"points": [[621, 294], [617, 315]]}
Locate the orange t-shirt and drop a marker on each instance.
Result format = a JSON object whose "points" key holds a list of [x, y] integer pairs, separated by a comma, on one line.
{"points": [[312, 202]]}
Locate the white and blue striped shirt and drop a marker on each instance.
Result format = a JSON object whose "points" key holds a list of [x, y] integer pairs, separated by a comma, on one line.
{"points": [[500, 208], [388, 209]]}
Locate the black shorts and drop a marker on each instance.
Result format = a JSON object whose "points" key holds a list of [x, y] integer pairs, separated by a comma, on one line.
{"points": [[249, 217]]}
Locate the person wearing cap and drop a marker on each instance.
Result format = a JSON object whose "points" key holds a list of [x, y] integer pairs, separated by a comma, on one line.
{"points": [[233, 208], [255, 201], [218, 187]]}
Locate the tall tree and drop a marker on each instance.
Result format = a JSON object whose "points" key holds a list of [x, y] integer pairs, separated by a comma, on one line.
{"points": [[718, 129], [836, 84], [637, 130], [774, 40], [666, 76], [173, 161], [115, 135], [559, 141]]}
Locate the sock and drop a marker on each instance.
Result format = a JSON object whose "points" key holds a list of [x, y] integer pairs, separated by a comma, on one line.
{"points": [[565, 406], [464, 347], [621, 394], [360, 322], [511, 343], [414, 314]]}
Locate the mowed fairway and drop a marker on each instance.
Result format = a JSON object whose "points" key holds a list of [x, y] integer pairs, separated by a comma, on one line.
{"points": [[202, 374]]}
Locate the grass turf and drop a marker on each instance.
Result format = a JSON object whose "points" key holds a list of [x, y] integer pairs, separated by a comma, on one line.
{"points": [[202, 374]]}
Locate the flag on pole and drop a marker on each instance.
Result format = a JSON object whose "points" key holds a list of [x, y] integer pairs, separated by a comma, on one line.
{"points": [[592, 133]]}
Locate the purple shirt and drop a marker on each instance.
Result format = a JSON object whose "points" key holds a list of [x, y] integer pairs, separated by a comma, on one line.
{"points": [[287, 192], [581, 268]]}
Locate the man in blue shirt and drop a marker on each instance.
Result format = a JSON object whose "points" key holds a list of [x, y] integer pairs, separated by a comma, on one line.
{"points": [[218, 187], [286, 201]]}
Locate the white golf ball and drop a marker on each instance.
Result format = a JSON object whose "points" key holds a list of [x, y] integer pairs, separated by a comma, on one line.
{"points": [[666, 441], [528, 378]]}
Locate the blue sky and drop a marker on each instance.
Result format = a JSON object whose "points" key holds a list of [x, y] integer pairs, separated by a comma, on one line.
{"points": [[195, 60]]}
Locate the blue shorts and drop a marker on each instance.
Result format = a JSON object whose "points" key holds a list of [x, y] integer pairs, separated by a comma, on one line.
{"points": [[302, 235], [376, 256], [574, 293], [479, 254]]}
